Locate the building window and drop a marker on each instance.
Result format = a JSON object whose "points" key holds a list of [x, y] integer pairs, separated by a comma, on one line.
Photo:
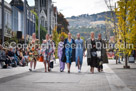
{"points": [[43, 21]]}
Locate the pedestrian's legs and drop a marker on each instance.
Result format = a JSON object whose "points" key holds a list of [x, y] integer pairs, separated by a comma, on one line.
{"points": [[48, 66], [35, 62], [45, 66], [31, 64], [62, 66], [78, 63], [68, 66], [99, 68], [102, 67], [7, 62], [92, 70]]}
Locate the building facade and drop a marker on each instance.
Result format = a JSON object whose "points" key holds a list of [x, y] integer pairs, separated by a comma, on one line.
{"points": [[18, 17], [47, 14], [7, 19], [30, 21]]}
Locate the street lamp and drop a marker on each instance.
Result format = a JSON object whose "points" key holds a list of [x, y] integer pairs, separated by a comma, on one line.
{"points": [[48, 15], [25, 14], [2, 22], [39, 19]]}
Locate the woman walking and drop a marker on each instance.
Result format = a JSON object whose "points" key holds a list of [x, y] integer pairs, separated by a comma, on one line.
{"points": [[33, 52], [60, 51], [69, 51], [91, 52], [79, 52], [46, 52]]}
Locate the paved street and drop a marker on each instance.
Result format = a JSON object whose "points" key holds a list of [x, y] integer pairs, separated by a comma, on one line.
{"points": [[109, 80]]}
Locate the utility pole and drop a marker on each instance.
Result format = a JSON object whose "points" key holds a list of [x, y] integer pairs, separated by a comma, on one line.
{"points": [[56, 17], [48, 15], [3, 23], [25, 20], [39, 19]]}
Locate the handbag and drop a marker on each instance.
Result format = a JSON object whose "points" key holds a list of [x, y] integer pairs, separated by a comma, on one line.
{"points": [[98, 53], [51, 64], [41, 59]]}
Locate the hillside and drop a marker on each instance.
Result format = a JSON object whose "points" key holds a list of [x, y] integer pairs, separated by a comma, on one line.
{"points": [[85, 23]]}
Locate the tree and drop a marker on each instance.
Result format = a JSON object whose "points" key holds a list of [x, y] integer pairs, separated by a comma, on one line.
{"points": [[125, 12], [132, 22], [56, 38], [62, 23], [111, 5]]}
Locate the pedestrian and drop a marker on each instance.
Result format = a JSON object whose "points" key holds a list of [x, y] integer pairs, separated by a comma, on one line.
{"points": [[33, 51], [91, 52], [100, 45], [60, 51], [68, 51], [46, 52], [79, 52]]}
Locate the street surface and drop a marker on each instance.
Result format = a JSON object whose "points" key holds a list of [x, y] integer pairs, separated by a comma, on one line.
{"points": [[114, 78]]}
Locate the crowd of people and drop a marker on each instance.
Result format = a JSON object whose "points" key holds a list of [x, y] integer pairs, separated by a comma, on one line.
{"points": [[13, 57], [69, 50]]}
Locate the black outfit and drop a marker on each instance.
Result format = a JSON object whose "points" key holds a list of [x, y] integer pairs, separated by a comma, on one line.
{"points": [[93, 60], [99, 48], [13, 62], [10, 54]]}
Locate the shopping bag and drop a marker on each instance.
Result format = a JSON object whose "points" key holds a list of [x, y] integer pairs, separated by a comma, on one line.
{"points": [[51, 64], [41, 59]]}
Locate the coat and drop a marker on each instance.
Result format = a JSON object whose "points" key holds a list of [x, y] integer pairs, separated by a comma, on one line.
{"points": [[63, 59], [89, 47], [103, 51]]}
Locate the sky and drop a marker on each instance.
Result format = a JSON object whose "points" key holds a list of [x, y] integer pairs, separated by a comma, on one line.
{"points": [[77, 7]]}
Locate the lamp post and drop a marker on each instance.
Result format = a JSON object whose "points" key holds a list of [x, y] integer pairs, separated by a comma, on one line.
{"points": [[39, 19], [2, 22], [48, 16], [25, 14], [56, 17]]}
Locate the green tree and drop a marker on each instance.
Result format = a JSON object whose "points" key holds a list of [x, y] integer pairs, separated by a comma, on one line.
{"points": [[62, 23], [56, 38]]}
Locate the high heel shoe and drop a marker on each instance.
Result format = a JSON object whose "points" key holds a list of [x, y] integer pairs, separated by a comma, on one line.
{"points": [[49, 70], [68, 71]]}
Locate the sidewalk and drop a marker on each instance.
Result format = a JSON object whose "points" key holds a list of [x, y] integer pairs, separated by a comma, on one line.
{"points": [[19, 70], [114, 78], [128, 76]]}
